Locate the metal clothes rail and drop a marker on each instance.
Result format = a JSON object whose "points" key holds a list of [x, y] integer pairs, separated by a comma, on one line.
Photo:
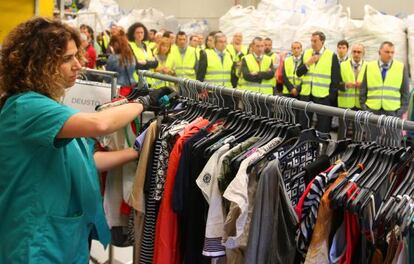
{"points": [[373, 119], [110, 74]]}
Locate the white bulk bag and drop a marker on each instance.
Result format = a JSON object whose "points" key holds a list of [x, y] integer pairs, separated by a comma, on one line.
{"points": [[410, 35], [328, 21], [151, 18], [195, 27], [238, 19], [376, 28]]}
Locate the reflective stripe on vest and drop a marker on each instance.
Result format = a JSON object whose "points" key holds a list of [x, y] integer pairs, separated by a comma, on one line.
{"points": [[384, 94], [232, 51], [218, 73], [266, 86], [184, 66], [318, 78], [289, 66], [141, 55], [160, 83], [273, 57], [350, 97]]}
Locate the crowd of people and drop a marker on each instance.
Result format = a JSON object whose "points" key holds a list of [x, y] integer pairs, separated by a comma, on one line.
{"points": [[343, 79]]}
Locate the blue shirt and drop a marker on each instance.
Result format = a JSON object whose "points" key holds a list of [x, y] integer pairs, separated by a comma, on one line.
{"points": [[125, 73], [50, 200]]}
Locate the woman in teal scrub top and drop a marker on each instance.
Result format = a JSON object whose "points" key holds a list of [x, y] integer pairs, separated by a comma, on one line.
{"points": [[50, 201]]}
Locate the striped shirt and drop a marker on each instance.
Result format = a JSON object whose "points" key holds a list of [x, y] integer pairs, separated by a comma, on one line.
{"points": [[307, 208]]}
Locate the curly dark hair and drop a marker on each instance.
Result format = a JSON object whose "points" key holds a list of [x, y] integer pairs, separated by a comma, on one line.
{"points": [[31, 55], [133, 27]]}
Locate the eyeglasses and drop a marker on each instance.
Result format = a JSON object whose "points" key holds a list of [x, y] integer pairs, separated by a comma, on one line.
{"points": [[357, 51]]}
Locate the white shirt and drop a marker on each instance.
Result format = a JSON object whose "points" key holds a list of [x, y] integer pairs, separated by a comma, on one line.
{"points": [[208, 183], [237, 192], [321, 51]]}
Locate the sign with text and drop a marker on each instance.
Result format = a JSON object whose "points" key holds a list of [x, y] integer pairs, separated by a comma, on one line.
{"points": [[86, 95]]}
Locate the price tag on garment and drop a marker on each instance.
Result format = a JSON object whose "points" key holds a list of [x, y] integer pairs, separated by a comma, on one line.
{"points": [[86, 95]]}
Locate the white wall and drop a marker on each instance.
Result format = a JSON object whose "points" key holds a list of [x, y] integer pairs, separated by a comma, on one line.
{"points": [[392, 7], [185, 10]]}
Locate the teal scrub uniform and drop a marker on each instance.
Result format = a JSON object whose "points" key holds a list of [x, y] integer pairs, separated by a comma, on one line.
{"points": [[50, 201]]}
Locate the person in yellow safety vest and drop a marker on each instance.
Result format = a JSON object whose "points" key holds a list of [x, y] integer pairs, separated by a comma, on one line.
{"points": [[352, 74], [163, 56], [257, 71], [216, 66], [183, 58], [151, 39], [157, 38], [386, 84], [137, 34], [342, 50], [209, 42], [320, 74], [200, 41], [268, 50], [194, 42], [291, 82], [236, 49], [103, 41]]}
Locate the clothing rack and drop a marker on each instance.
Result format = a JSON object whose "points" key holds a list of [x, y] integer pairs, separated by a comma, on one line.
{"points": [[110, 74], [357, 116]]}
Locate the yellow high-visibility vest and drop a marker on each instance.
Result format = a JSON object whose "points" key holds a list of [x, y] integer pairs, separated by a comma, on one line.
{"points": [[141, 55], [218, 73], [266, 86], [350, 97], [384, 94], [184, 66], [317, 80], [289, 67], [233, 53]]}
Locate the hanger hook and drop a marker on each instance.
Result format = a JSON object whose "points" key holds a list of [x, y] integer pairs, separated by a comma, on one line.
{"points": [[232, 98], [254, 108], [379, 121], [286, 109], [250, 98], [277, 107], [368, 126], [357, 120], [259, 113], [244, 101], [293, 109], [221, 96], [306, 113], [217, 95], [266, 107], [344, 120], [364, 121], [396, 138], [289, 110], [402, 134], [247, 105]]}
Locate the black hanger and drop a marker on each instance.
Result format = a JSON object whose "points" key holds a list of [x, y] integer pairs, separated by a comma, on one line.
{"points": [[340, 147], [403, 157]]}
